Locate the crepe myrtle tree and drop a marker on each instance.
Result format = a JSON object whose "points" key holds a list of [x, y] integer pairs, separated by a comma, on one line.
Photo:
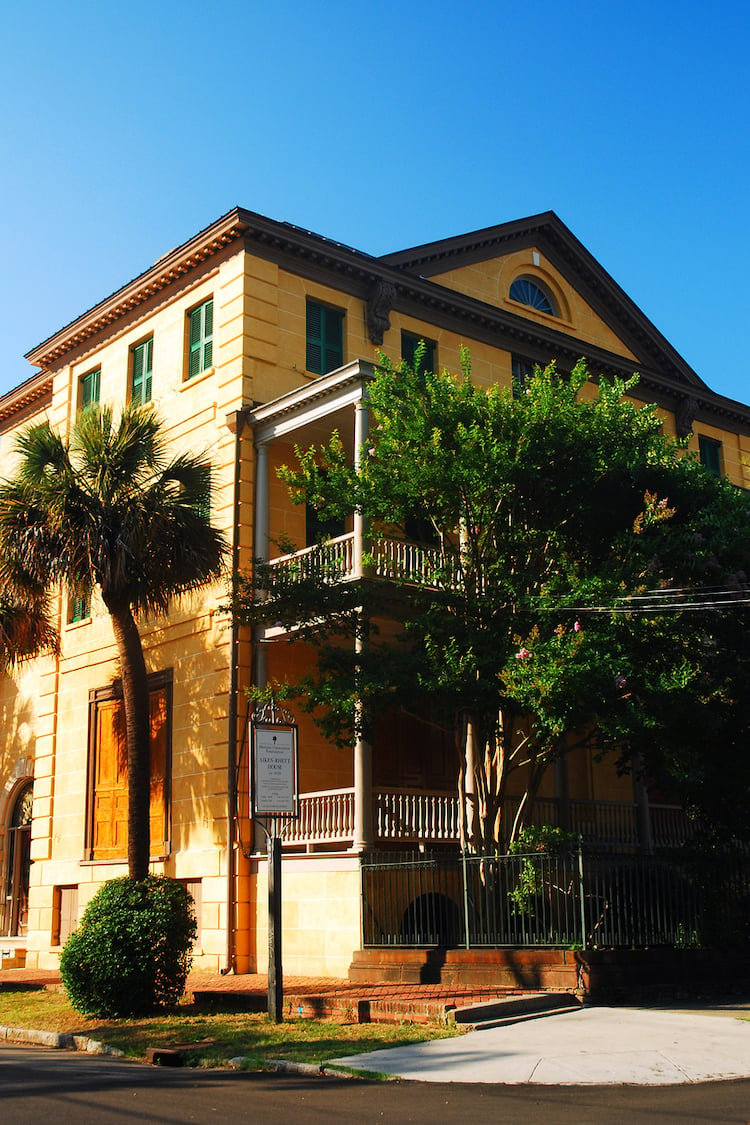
{"points": [[549, 508], [109, 511]]}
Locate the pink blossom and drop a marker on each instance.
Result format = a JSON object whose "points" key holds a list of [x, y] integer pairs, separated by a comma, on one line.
{"points": [[620, 682], [577, 627], [523, 654]]}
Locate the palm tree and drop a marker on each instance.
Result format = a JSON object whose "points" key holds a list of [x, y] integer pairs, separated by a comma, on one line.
{"points": [[25, 628], [108, 510]]}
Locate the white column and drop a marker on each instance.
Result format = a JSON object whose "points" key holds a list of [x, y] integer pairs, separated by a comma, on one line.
{"points": [[363, 835], [361, 430], [261, 545], [362, 748], [261, 550]]}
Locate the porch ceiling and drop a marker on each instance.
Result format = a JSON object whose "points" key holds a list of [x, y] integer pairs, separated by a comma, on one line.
{"points": [[317, 408]]}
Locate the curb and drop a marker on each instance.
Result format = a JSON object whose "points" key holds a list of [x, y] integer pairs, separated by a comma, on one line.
{"points": [[307, 1070], [66, 1042], [58, 1040]]}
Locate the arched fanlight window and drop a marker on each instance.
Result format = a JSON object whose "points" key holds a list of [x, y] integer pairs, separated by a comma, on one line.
{"points": [[529, 291]]}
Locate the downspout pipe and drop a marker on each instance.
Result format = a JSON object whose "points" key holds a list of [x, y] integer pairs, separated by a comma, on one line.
{"points": [[236, 424]]}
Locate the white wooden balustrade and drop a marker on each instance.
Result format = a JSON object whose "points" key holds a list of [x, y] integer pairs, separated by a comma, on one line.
{"points": [[418, 815], [387, 559]]}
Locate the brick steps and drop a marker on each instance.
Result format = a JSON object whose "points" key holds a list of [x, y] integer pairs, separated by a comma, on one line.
{"points": [[536, 970]]}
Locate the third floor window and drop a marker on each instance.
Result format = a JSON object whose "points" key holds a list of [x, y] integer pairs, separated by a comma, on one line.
{"points": [[325, 338]]}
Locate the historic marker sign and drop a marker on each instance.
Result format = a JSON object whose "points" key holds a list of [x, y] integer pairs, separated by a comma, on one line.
{"points": [[274, 770], [274, 794]]}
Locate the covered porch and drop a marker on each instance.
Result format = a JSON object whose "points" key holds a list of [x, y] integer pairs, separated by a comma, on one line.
{"points": [[422, 808]]}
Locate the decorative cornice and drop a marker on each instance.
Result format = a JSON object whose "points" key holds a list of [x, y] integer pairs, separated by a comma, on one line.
{"points": [[397, 281], [30, 393], [165, 271]]}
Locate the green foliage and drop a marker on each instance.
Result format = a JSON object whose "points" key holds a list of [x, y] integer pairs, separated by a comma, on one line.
{"points": [[544, 839], [553, 512], [132, 951], [108, 509]]}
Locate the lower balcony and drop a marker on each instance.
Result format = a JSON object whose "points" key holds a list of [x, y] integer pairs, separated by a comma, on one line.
{"points": [[416, 817]]}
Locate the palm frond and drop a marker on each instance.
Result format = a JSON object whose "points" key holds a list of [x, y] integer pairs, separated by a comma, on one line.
{"points": [[25, 629], [109, 510]]}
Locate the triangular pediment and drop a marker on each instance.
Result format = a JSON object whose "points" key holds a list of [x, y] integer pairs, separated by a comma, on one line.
{"points": [[586, 303]]}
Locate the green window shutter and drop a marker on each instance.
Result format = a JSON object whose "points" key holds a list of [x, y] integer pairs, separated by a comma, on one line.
{"points": [[208, 335], [201, 338], [325, 338], [709, 452], [334, 339], [90, 388], [80, 608], [140, 389], [314, 359]]}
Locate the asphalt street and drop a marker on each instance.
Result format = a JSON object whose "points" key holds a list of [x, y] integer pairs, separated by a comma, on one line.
{"points": [[38, 1085]]}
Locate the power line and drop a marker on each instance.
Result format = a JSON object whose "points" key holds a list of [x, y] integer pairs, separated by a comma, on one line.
{"points": [[663, 601]]}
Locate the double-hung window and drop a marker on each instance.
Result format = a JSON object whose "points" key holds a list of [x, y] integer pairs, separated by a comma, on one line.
{"points": [[325, 338], [201, 338], [141, 369], [88, 388]]}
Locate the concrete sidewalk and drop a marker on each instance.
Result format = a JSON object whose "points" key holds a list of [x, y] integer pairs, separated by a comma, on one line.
{"points": [[593, 1046]]}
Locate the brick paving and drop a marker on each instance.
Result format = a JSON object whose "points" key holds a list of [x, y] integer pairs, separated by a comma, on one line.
{"points": [[306, 996], [325, 996]]}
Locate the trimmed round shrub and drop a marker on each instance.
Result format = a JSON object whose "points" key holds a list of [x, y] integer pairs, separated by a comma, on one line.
{"points": [[132, 951]]}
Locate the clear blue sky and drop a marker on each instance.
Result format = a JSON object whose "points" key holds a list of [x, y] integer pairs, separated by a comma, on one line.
{"points": [[127, 127]]}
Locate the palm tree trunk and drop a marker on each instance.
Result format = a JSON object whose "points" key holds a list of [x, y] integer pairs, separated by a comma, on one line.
{"points": [[138, 736]]}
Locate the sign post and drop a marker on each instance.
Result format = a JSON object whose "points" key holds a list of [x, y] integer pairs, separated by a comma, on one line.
{"points": [[275, 794]]}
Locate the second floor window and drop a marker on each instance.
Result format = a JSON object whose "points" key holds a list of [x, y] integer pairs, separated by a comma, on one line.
{"points": [[142, 361], [325, 338], [200, 338]]}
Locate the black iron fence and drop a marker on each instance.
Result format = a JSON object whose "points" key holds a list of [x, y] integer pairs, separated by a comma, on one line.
{"points": [[568, 899]]}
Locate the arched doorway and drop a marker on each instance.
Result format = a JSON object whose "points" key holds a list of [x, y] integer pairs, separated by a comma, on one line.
{"points": [[18, 863]]}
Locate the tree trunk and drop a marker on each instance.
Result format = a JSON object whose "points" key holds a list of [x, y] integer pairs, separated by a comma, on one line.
{"points": [[138, 736]]}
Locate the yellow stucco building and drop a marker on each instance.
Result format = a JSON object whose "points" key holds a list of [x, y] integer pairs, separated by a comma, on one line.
{"points": [[251, 337]]}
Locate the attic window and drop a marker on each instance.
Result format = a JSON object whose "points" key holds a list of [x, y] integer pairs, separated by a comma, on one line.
{"points": [[529, 291]]}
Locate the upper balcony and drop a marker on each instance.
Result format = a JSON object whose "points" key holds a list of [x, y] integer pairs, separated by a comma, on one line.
{"points": [[385, 558]]}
